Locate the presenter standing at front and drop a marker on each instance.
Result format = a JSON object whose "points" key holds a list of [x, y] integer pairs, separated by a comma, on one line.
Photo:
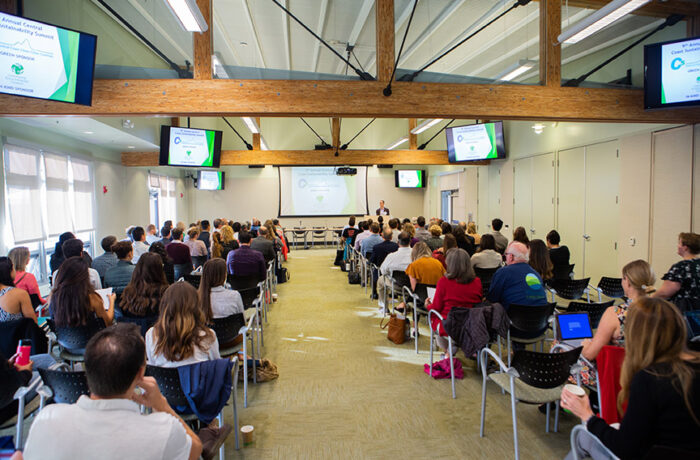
{"points": [[382, 211]]}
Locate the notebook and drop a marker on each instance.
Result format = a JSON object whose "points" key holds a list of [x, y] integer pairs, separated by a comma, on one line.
{"points": [[573, 328]]}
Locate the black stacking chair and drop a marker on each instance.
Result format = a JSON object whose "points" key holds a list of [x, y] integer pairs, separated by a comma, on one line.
{"points": [[528, 324], [73, 340], [11, 332], [247, 286], [227, 329], [398, 280], [532, 378], [610, 287], [143, 322], [66, 386], [595, 310], [570, 289], [485, 275], [563, 272], [193, 279]]}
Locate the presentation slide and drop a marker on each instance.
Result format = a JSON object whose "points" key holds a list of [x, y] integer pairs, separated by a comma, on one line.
{"points": [[410, 178], [318, 191], [680, 72], [474, 142], [39, 60], [191, 147], [210, 180]]}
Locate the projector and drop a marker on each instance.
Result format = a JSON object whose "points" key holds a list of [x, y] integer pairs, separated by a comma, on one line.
{"points": [[346, 171]]}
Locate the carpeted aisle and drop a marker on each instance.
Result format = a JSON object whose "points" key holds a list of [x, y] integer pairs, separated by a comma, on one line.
{"points": [[345, 391]]}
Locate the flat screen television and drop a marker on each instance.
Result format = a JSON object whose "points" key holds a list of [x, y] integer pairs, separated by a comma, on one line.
{"points": [[409, 178], [44, 61], [200, 148], [210, 180], [672, 74], [482, 141]]}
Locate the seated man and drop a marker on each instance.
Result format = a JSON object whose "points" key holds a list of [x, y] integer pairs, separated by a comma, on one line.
{"points": [[501, 240], [383, 249], [372, 240], [517, 282], [246, 261], [422, 233], [108, 424], [396, 261], [151, 234], [264, 245], [140, 247], [364, 228], [119, 276], [108, 259]]}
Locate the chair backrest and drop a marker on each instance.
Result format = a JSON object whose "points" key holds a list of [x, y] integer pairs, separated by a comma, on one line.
{"points": [[75, 339], [247, 287], [66, 386], [319, 231], [611, 287], [485, 274], [400, 278], [168, 379], [34, 298], [563, 272], [529, 319], [226, 329], [422, 290], [298, 232], [570, 289], [194, 280], [595, 310], [144, 322], [544, 370]]}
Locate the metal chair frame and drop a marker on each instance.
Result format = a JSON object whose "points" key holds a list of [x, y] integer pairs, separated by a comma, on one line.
{"points": [[449, 340], [318, 233], [243, 346]]}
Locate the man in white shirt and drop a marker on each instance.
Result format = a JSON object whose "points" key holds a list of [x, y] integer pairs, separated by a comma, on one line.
{"points": [[140, 247], [398, 260], [151, 234], [108, 424], [74, 248]]}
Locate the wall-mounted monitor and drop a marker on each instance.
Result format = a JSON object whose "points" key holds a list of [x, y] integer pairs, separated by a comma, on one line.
{"points": [[409, 178], [199, 148], [210, 180], [672, 74], [44, 61], [482, 141]]}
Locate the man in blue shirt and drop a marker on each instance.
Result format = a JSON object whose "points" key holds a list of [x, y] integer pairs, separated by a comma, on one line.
{"points": [[372, 240], [245, 261], [517, 282]]}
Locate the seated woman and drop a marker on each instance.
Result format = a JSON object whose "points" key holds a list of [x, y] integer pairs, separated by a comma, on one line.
{"points": [[434, 242], [458, 288], [463, 241], [215, 300], [558, 254], [519, 234], [682, 282], [539, 260], [198, 250], [660, 381], [57, 257], [637, 281], [471, 231], [228, 242], [142, 295], [411, 230], [423, 270], [180, 336], [168, 266], [487, 257], [73, 300], [14, 303], [448, 243], [20, 258]]}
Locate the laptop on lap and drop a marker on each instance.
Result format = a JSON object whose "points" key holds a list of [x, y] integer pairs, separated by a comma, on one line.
{"points": [[573, 328]]}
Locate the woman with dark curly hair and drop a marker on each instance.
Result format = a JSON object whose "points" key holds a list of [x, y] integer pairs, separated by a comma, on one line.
{"points": [[141, 297]]}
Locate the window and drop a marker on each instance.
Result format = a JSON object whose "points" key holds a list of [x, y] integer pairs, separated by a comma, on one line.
{"points": [[47, 193], [162, 199]]}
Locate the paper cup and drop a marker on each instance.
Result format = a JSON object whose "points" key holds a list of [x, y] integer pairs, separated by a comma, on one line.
{"points": [[575, 389], [247, 434]]}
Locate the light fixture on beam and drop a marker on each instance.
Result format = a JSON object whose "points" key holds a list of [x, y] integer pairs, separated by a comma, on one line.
{"points": [[217, 67], [599, 19], [187, 12], [396, 143], [425, 125], [263, 144], [538, 128], [251, 124], [516, 70]]}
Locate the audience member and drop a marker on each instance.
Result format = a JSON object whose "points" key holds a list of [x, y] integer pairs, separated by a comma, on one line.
{"points": [[236, 227], [394, 224], [168, 224], [20, 258], [205, 236], [520, 234], [197, 248], [264, 245], [180, 336], [108, 424], [128, 231], [151, 234], [421, 232], [471, 231], [446, 229], [74, 248], [559, 255], [371, 241], [682, 281], [423, 268], [57, 257], [350, 231], [501, 240], [487, 257], [396, 261], [660, 381], [458, 288], [364, 233], [411, 230], [448, 243], [166, 233], [108, 259], [539, 260], [180, 254], [12, 377], [138, 235], [464, 241], [517, 282], [180, 226], [245, 261], [383, 249], [168, 266], [141, 297], [73, 299], [434, 242], [119, 276], [215, 299], [14, 303], [228, 241]]}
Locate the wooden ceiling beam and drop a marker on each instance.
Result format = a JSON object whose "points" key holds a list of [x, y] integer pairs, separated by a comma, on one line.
{"points": [[354, 99], [412, 138], [385, 39], [312, 157], [202, 44], [256, 136], [655, 8], [335, 128], [550, 51]]}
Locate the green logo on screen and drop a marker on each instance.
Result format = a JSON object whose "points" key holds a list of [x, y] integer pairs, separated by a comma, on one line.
{"points": [[189, 152], [532, 281], [18, 69]]}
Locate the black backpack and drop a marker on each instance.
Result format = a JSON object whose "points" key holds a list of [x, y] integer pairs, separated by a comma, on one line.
{"points": [[282, 275]]}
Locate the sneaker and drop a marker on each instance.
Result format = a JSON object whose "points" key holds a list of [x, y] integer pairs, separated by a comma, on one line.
{"points": [[380, 302], [212, 439]]}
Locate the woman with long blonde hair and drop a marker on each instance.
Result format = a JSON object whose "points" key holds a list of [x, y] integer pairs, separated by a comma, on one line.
{"points": [[228, 242], [660, 381]]}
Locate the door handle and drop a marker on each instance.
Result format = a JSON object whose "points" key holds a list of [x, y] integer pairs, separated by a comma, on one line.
{"points": [[532, 230], [587, 237]]}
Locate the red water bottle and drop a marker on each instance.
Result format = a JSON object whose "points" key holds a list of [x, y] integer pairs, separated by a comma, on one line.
{"points": [[24, 349]]}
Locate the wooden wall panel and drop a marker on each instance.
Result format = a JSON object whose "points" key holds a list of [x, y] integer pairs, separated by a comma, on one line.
{"points": [[385, 39]]}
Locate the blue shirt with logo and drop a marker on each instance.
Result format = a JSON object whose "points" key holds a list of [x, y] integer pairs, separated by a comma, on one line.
{"points": [[517, 283]]}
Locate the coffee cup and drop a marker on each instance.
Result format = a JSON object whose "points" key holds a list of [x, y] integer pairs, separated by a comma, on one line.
{"points": [[247, 434], [575, 390]]}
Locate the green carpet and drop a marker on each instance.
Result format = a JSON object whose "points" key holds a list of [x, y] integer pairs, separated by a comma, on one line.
{"points": [[345, 391]]}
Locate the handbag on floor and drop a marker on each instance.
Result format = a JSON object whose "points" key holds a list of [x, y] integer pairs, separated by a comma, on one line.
{"points": [[398, 328], [354, 277], [282, 275], [265, 370], [441, 369]]}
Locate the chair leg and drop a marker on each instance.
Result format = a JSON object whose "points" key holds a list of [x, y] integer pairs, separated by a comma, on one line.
{"points": [[222, 450], [483, 395], [546, 423], [415, 325], [452, 365], [513, 401], [556, 416], [236, 367], [245, 370], [431, 351], [19, 442], [508, 348]]}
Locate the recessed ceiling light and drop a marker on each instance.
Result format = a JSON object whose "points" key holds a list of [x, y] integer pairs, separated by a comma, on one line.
{"points": [[244, 43], [88, 132], [130, 147]]}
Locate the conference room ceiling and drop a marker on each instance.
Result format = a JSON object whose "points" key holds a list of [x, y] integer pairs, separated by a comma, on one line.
{"points": [[258, 34]]}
